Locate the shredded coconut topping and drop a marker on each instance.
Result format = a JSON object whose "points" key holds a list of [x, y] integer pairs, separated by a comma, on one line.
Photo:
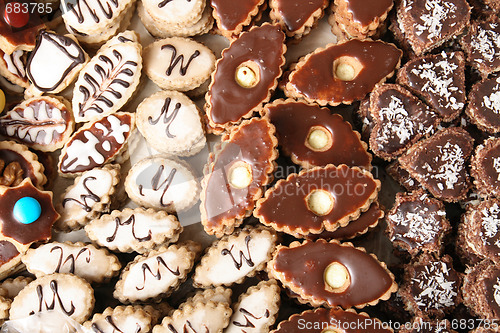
{"points": [[432, 22], [437, 291], [490, 223], [487, 43], [496, 165], [423, 225], [398, 122], [496, 292], [451, 163], [493, 100]]}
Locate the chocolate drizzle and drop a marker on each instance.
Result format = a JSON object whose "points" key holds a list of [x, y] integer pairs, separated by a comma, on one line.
{"points": [[174, 60], [156, 185], [93, 12], [165, 2], [130, 220], [70, 258], [247, 314], [145, 267], [85, 196], [167, 118], [247, 258], [188, 328], [43, 305], [111, 322]]}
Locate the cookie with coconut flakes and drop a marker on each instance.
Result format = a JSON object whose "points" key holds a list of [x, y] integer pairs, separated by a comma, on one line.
{"points": [[485, 168], [124, 319], [484, 105], [481, 290]]}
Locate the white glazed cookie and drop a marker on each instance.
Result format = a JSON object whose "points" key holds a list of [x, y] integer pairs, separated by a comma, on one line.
{"points": [[176, 13], [65, 293], [54, 63], [171, 123], [162, 183], [5, 304], [137, 230], [96, 144], [43, 123], [13, 67], [216, 295], [12, 286], [256, 309], [83, 260], [107, 81], [200, 317], [124, 319], [178, 63], [233, 258], [157, 274], [88, 197]]}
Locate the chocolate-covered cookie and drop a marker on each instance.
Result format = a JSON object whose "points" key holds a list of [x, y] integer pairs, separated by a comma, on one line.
{"points": [[481, 290], [484, 105], [485, 168]]}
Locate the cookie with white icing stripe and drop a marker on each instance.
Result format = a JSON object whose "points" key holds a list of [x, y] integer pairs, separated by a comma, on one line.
{"points": [[65, 293], [13, 67], [43, 123], [178, 63], [85, 261], [157, 274], [162, 183], [88, 197], [107, 81], [171, 123], [175, 13], [12, 286], [54, 63], [235, 257], [96, 144], [124, 319], [216, 295], [137, 230]]}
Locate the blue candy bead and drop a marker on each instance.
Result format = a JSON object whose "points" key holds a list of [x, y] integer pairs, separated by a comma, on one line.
{"points": [[27, 210]]}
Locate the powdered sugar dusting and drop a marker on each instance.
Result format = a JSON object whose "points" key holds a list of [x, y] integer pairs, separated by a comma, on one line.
{"points": [[432, 21], [437, 291], [487, 43], [490, 222]]}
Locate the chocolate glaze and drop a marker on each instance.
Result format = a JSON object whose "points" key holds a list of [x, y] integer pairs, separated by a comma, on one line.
{"points": [[243, 147], [319, 319], [286, 205], [27, 233], [232, 13], [9, 156], [489, 284], [293, 121], [262, 45], [365, 12], [486, 172], [483, 35], [315, 78], [296, 13], [479, 112], [303, 267], [7, 252], [25, 35]]}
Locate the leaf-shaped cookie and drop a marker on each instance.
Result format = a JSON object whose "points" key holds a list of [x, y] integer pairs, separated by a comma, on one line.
{"points": [[43, 123], [107, 81]]}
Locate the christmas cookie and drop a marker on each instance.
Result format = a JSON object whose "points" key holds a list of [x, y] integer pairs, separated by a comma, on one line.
{"points": [[297, 18], [485, 167], [484, 105], [17, 162], [231, 17]]}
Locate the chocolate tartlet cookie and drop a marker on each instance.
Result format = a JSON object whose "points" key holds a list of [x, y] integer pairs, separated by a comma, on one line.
{"points": [[484, 105], [402, 177], [485, 168], [481, 290]]}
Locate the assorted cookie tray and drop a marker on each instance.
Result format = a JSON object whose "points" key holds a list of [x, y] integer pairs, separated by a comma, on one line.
{"points": [[249, 166]]}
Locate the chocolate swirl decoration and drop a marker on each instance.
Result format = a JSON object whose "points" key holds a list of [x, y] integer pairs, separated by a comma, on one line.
{"points": [[168, 118], [84, 197], [145, 267], [174, 60], [247, 314], [111, 322], [130, 220], [165, 2], [156, 185], [43, 305], [70, 258], [247, 258], [188, 327], [104, 9]]}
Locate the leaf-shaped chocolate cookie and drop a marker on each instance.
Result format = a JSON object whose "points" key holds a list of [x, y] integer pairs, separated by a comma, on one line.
{"points": [[231, 16], [297, 17], [332, 274], [43, 123], [107, 81], [317, 199]]}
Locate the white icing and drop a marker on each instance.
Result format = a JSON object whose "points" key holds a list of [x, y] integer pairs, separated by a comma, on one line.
{"points": [[492, 101], [203, 318], [432, 22], [15, 64], [496, 292], [172, 11], [437, 291], [130, 323], [486, 42]]}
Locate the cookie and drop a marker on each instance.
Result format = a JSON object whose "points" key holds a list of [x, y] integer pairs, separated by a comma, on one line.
{"points": [[330, 274], [484, 105], [232, 17], [121, 319], [256, 309], [481, 290], [5, 304], [342, 73], [130, 230], [245, 76], [64, 293], [482, 47], [439, 80], [427, 24], [439, 163], [424, 325], [235, 257], [162, 183], [95, 144], [216, 295], [400, 118], [417, 223], [10, 262], [297, 18], [322, 198], [157, 274], [13, 67], [171, 123], [236, 176], [12, 286], [176, 13], [402, 177], [312, 136], [106, 83], [84, 260], [485, 168], [18, 163], [54, 63], [44, 123], [88, 197]]}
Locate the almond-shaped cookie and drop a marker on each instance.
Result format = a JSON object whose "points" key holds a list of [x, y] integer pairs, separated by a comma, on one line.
{"points": [[171, 123], [162, 183], [245, 76], [485, 168], [322, 198], [200, 317], [439, 163], [84, 260], [88, 197], [54, 63], [484, 105], [332, 274], [256, 309], [176, 13], [312, 136], [17, 163], [237, 175], [216, 295], [43, 123], [157, 274], [106, 83], [13, 67], [297, 18], [178, 63], [138, 230], [231, 17], [12, 286], [123, 319], [5, 304], [235, 257], [65, 293], [96, 144]]}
